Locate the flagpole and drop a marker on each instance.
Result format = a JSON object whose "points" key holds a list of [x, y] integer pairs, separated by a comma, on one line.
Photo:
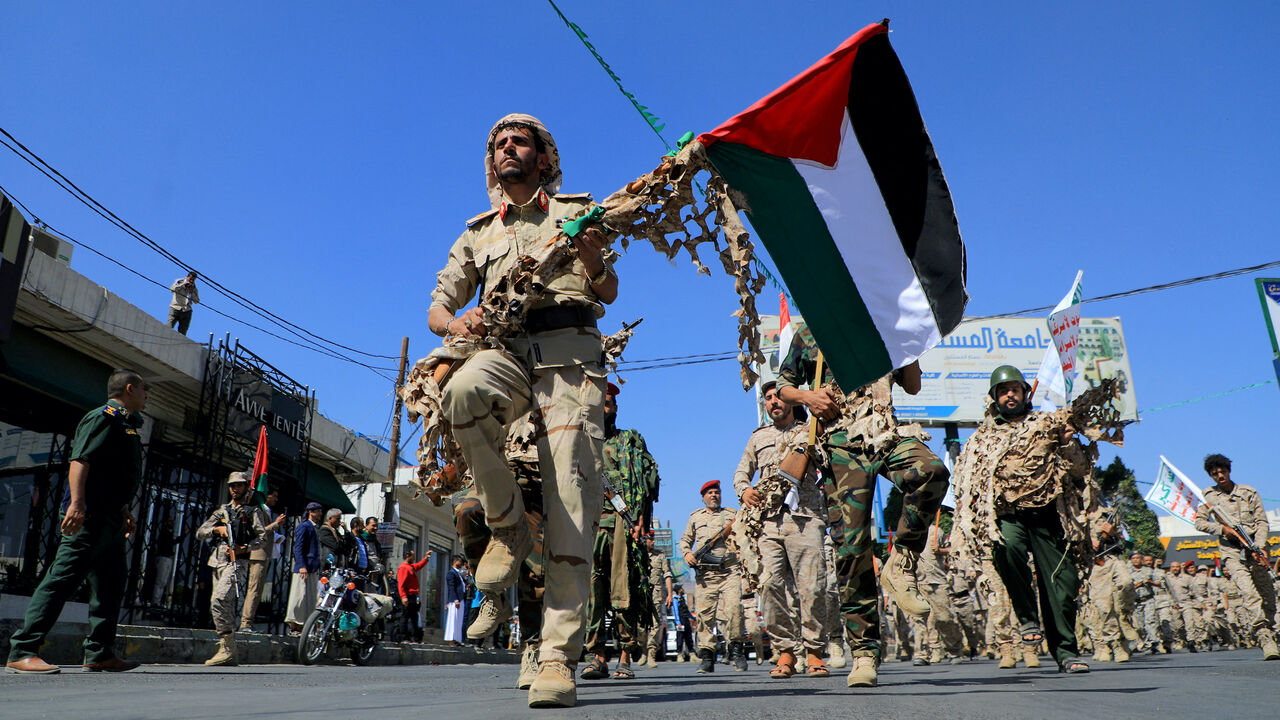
{"points": [[388, 502]]}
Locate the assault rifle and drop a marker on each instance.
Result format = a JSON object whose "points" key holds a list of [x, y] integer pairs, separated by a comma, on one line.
{"points": [[1258, 554], [700, 555], [615, 498]]}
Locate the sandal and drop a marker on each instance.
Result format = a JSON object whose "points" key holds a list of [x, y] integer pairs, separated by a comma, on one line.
{"points": [[816, 668], [1073, 667], [786, 667], [1031, 634], [595, 670], [624, 672]]}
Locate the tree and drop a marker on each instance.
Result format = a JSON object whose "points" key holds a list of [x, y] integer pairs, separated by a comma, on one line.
{"points": [[1119, 490]]}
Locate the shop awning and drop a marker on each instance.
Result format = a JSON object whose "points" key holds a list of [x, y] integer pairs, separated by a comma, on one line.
{"points": [[323, 487]]}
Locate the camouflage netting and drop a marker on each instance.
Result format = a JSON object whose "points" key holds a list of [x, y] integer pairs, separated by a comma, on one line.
{"points": [[1025, 465], [660, 207]]}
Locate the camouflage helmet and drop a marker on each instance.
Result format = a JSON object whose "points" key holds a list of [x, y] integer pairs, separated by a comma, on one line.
{"points": [[1004, 374]]}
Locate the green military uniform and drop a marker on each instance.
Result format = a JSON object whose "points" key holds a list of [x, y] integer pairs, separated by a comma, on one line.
{"points": [[620, 564], [866, 443], [107, 440]]}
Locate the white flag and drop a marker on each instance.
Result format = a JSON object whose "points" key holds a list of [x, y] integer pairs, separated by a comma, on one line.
{"points": [[1175, 492], [1064, 325], [1050, 389]]}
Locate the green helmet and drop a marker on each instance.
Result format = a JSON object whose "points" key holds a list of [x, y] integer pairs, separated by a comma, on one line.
{"points": [[1004, 374]]}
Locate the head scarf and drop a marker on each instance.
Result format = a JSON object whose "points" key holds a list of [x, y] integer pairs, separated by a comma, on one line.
{"points": [[551, 177]]}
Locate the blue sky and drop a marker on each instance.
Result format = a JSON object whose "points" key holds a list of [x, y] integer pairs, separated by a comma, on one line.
{"points": [[320, 158]]}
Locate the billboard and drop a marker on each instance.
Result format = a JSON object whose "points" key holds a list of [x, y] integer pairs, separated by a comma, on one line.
{"points": [[1269, 294], [957, 372]]}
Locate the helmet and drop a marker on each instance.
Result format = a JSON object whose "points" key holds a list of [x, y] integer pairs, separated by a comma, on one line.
{"points": [[1004, 374]]}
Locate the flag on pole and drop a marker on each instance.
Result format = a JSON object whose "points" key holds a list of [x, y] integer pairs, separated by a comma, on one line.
{"points": [[785, 333], [847, 194], [260, 470], [1174, 492]]}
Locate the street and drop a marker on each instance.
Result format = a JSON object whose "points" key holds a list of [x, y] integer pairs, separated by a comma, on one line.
{"points": [[1234, 684]]}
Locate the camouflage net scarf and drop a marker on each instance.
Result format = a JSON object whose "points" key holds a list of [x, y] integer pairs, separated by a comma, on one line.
{"points": [[660, 207], [1021, 467]]}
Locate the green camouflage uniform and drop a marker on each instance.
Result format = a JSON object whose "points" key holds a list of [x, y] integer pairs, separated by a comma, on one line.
{"points": [[620, 564], [868, 442]]}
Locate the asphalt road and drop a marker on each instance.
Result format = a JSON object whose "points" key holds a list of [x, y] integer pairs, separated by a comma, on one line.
{"points": [[1235, 685]]}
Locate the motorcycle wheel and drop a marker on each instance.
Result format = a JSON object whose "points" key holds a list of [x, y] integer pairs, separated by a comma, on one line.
{"points": [[362, 650], [311, 643]]}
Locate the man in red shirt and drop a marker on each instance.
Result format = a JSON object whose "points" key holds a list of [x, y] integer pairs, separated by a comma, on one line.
{"points": [[407, 586]]}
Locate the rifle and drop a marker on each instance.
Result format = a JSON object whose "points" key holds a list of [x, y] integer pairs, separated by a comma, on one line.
{"points": [[1250, 546], [615, 498], [702, 552], [231, 550]]}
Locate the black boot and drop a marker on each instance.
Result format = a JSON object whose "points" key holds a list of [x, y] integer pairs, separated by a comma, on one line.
{"points": [[708, 658], [738, 656]]}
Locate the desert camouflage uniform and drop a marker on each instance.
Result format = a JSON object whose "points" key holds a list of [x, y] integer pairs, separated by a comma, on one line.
{"points": [[945, 637], [659, 576], [1186, 602], [719, 594], [790, 545], [965, 609], [832, 623], [560, 374], [1111, 592], [620, 563], [1001, 625], [1255, 582], [1216, 610], [868, 442], [1146, 614], [1235, 613], [248, 531]]}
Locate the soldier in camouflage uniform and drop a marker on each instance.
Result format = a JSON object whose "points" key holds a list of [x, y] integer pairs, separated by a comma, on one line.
{"points": [[865, 441], [1216, 608], [1111, 592], [237, 531], [553, 366], [833, 623], [1186, 604], [620, 564], [945, 636], [1235, 613], [790, 535], [719, 596], [660, 579], [1145, 614], [1250, 573]]}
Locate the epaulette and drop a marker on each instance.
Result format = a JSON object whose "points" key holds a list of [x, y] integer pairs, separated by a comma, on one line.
{"points": [[481, 216], [111, 410], [573, 196]]}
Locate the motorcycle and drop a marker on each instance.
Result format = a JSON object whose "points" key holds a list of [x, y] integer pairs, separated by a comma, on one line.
{"points": [[344, 617]]}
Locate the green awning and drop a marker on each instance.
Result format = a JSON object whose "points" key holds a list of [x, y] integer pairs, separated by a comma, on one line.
{"points": [[323, 487]]}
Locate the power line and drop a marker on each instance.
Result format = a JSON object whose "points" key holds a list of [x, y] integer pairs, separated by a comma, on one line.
{"points": [[93, 204]]}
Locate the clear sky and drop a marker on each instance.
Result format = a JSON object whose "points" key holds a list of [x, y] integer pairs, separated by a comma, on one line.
{"points": [[321, 157]]}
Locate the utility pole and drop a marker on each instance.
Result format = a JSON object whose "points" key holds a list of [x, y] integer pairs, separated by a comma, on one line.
{"points": [[388, 503]]}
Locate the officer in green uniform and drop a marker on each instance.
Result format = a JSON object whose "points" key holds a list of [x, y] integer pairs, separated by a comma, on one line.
{"points": [[620, 562], [106, 465]]}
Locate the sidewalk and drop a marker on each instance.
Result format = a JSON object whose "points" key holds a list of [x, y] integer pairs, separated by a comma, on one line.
{"points": [[184, 645]]}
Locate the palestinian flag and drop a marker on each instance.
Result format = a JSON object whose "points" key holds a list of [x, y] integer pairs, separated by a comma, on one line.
{"points": [[847, 195], [260, 470]]}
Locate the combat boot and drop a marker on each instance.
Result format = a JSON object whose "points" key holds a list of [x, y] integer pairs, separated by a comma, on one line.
{"points": [[226, 655], [1122, 652], [499, 566], [899, 578], [684, 657], [759, 652], [935, 657], [1268, 643], [553, 686], [1030, 657], [1007, 660], [708, 658], [528, 667], [740, 657], [1102, 653], [494, 610], [835, 655], [652, 658], [863, 673]]}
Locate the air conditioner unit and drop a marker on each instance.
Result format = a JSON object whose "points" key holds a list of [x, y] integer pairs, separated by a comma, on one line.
{"points": [[56, 247]]}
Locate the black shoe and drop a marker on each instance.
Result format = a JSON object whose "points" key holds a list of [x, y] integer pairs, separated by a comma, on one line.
{"points": [[919, 662], [738, 656], [708, 661]]}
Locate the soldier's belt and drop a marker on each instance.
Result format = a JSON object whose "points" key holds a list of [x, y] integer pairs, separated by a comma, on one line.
{"points": [[557, 317]]}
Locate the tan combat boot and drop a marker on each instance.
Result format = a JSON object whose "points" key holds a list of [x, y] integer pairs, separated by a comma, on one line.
{"points": [[1267, 642], [935, 657], [226, 655], [652, 659], [863, 673], [528, 667], [500, 564], [899, 578], [1122, 652], [1007, 660], [493, 611], [835, 655], [1102, 653], [553, 686], [1030, 657]]}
